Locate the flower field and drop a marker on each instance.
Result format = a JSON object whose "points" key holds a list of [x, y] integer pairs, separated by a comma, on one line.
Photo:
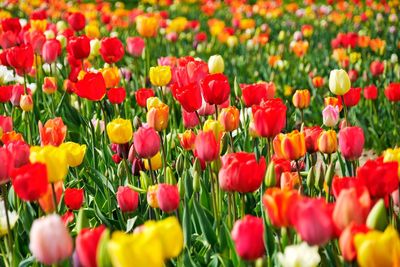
{"points": [[199, 133]]}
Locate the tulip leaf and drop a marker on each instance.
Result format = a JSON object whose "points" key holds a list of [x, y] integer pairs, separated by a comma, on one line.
{"points": [[130, 224], [186, 223], [205, 224]]}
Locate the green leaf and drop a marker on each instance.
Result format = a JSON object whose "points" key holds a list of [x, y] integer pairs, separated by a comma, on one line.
{"points": [[205, 225]]}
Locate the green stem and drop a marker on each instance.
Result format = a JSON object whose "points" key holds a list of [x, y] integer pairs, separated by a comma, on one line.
{"points": [[9, 235], [53, 189]]}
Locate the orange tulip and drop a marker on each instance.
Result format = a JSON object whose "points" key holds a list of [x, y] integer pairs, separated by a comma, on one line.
{"points": [[318, 81], [277, 203], [111, 77], [147, 26], [11, 137], [290, 180], [46, 202], [301, 99], [187, 139], [229, 118], [157, 117], [333, 101], [53, 132], [327, 142], [291, 146]]}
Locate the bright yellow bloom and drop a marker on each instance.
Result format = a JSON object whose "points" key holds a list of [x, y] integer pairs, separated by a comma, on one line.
{"points": [[177, 25], [92, 31], [354, 57], [216, 64], [55, 160], [152, 196], [39, 25], [376, 249], [155, 162], [392, 155], [120, 131], [214, 126], [339, 82], [75, 153], [111, 76], [160, 75]]}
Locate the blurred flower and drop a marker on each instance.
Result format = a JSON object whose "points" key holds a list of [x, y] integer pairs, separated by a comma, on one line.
{"points": [[87, 243], [376, 68], [53, 132], [120, 131], [207, 148], [301, 99], [128, 199], [334, 102], [111, 50], [55, 159], [339, 82], [152, 196], [46, 201], [51, 50], [253, 94], [346, 240], [91, 87], [49, 85], [214, 126], [277, 203], [30, 181], [116, 95], [392, 92], [26, 102], [392, 155], [160, 75], [19, 154], [318, 81], [5, 93], [269, 117], [6, 123], [300, 255], [6, 164], [216, 64], [352, 97], [190, 120], [327, 142], [351, 142], [21, 58], [77, 21], [135, 46], [371, 92], [215, 88], [290, 180], [111, 76], [12, 218], [146, 26], [155, 161], [73, 198], [291, 146]]}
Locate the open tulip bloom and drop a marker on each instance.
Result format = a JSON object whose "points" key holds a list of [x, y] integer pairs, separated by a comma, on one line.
{"points": [[200, 133]]}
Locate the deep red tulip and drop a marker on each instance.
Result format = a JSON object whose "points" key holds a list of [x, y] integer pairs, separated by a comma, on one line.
{"points": [[77, 21], [79, 47], [30, 181], [341, 183], [135, 46], [206, 146], [392, 92], [146, 142], [189, 96], [8, 39], [11, 24], [269, 117], [351, 142], [73, 198], [116, 95], [241, 172], [216, 89], [111, 49], [5, 93], [167, 197], [376, 68], [311, 137], [253, 94], [247, 234], [86, 245], [371, 92], [128, 199], [189, 71], [6, 164], [142, 95], [51, 50], [21, 58], [352, 97], [91, 87]]}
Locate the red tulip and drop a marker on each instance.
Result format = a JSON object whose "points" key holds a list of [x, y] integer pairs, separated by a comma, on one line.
{"points": [[381, 178], [352, 97], [77, 21], [20, 152], [215, 88], [269, 117], [6, 164], [351, 142], [135, 46], [189, 96], [21, 58], [253, 94], [167, 197], [353, 75], [116, 95], [86, 245], [241, 172], [189, 71], [30, 181], [36, 39], [53, 132], [146, 142], [6, 123], [51, 50], [206, 146], [371, 92], [73, 198], [346, 240], [8, 39], [376, 68], [311, 138], [341, 183], [79, 47], [247, 234], [392, 92], [5, 93], [11, 24], [141, 96], [281, 166], [91, 87], [128, 199], [278, 204], [111, 49], [190, 119]]}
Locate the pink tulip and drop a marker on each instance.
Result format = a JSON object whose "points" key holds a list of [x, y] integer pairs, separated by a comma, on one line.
{"points": [[6, 124], [167, 197], [147, 142], [128, 199], [351, 142], [330, 115], [206, 146], [190, 119], [135, 46], [20, 152], [51, 50]]}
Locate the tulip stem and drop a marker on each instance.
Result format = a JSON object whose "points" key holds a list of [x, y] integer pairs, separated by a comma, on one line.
{"points": [[53, 189], [302, 116], [164, 155], [9, 236], [198, 117], [216, 112], [243, 196], [151, 171], [231, 138], [345, 111]]}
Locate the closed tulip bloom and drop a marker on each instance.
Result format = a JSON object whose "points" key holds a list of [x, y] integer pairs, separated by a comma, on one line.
{"points": [[327, 142], [167, 197], [351, 142], [135, 46], [91, 87], [378, 249], [146, 142], [291, 146], [73, 198], [111, 49], [300, 255], [26, 103], [392, 92], [215, 88], [160, 75], [187, 139], [20, 58], [330, 116], [311, 138], [376, 68], [77, 21], [318, 81], [128, 199], [156, 162], [111, 76], [247, 234], [152, 196], [49, 85], [278, 204], [371, 92], [352, 97], [206, 146], [229, 118], [75, 153], [346, 240], [30, 181], [189, 96], [241, 172], [6, 164], [253, 94], [339, 82], [157, 117], [301, 99], [51, 50], [214, 126], [19, 154], [147, 26], [269, 117], [190, 120], [120, 131], [79, 47], [290, 180], [216, 64], [333, 101], [53, 132], [142, 94], [116, 95], [6, 123], [50, 241], [55, 159], [87, 242]]}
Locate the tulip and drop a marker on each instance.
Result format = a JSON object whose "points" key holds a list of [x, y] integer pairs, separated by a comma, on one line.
{"points": [[141, 96], [75, 153], [247, 234], [215, 88], [91, 87], [300, 255], [351, 142], [346, 240], [167, 197], [392, 92], [301, 99], [19, 153], [190, 120], [146, 26], [333, 101], [94, 48], [11, 24], [318, 81], [116, 95], [11, 137], [278, 204], [327, 142], [111, 76], [378, 249], [26, 103], [55, 159], [79, 47], [253, 94], [111, 50], [50, 241], [352, 97], [207, 148], [339, 82], [290, 180], [189, 97], [269, 117], [53, 132], [214, 126], [120, 131], [371, 92], [311, 138], [77, 21], [6, 164], [392, 155], [51, 50], [5, 93], [157, 116], [21, 58], [6, 123], [73, 198], [160, 75], [135, 46], [216, 64], [187, 139], [87, 243], [147, 142], [92, 31], [229, 118], [241, 172], [330, 115], [291, 146], [155, 161], [152, 196], [49, 85], [376, 68], [128, 199]]}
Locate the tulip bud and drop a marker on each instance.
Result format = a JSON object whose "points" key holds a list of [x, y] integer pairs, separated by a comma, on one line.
{"points": [[229, 118], [26, 103], [180, 164], [216, 165], [377, 217], [81, 221], [270, 175], [330, 172], [169, 176], [145, 180], [319, 177], [196, 166], [94, 47], [49, 85], [327, 142], [103, 258], [137, 123], [301, 99], [196, 182], [339, 82], [121, 170], [330, 115], [61, 25], [311, 178], [216, 64]]}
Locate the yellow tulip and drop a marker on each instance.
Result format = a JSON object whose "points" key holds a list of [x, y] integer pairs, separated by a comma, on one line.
{"points": [[152, 196], [157, 117], [153, 102], [339, 82], [120, 131], [177, 25], [75, 153], [376, 249], [160, 75], [392, 155], [39, 24], [146, 26], [55, 160], [111, 76], [214, 126], [92, 31], [155, 162], [216, 64]]}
